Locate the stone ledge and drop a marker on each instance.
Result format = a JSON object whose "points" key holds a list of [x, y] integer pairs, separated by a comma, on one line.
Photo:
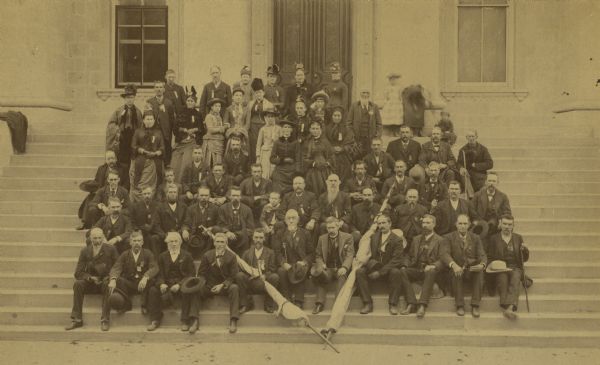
{"points": [[519, 94], [105, 94], [35, 103], [577, 105]]}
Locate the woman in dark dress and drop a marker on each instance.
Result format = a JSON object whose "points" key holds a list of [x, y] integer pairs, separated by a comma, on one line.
{"points": [[189, 130], [286, 156], [317, 159], [342, 142]]}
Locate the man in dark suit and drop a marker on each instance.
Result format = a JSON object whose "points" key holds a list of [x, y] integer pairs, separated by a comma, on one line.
{"points": [[408, 216], [405, 148], [475, 159], [91, 276], [360, 180], [425, 261], [236, 219], [235, 162], [164, 114], [363, 214], [172, 214], [333, 260], [193, 175], [467, 260], [215, 89], [219, 269], [134, 272], [116, 226], [174, 92], [491, 204], [272, 218], [508, 247], [387, 256], [365, 121], [432, 190], [144, 217], [262, 259], [200, 218], [300, 88], [380, 165], [295, 248], [440, 152], [219, 184], [449, 209], [395, 187], [334, 203], [99, 205], [303, 202], [175, 265], [255, 191]]}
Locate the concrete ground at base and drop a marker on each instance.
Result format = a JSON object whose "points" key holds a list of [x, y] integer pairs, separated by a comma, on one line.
{"points": [[90, 353]]}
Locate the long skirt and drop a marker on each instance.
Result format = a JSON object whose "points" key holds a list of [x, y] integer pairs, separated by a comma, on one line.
{"points": [[315, 179], [282, 178], [265, 161], [148, 178], [181, 157], [213, 152]]}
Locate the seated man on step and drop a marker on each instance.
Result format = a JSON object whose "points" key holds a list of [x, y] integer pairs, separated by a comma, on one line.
{"points": [[98, 207], [116, 226]]}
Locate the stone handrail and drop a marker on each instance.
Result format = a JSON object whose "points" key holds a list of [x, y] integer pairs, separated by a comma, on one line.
{"points": [[35, 103], [578, 105]]}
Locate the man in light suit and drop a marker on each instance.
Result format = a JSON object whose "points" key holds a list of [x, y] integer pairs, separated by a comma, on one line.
{"points": [[333, 260]]}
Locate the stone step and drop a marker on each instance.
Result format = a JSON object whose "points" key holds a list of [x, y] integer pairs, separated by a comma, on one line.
{"points": [[67, 138], [39, 221], [32, 183], [555, 175], [50, 171], [538, 303], [28, 207], [378, 319], [65, 149], [559, 225], [547, 152], [565, 254], [526, 163], [551, 187], [43, 195], [40, 249], [346, 336], [539, 212], [580, 199], [73, 159]]}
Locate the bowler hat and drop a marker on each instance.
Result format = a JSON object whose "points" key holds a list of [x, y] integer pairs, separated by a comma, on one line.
{"points": [[497, 266], [373, 265], [89, 186], [480, 228], [213, 101], [119, 300], [297, 273], [287, 121], [129, 90], [192, 284]]}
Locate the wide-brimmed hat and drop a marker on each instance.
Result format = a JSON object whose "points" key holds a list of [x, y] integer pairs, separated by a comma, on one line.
{"points": [[89, 186], [192, 285], [213, 101], [297, 273], [373, 265], [287, 121], [320, 95], [497, 266], [129, 90], [271, 111], [480, 228], [119, 300]]}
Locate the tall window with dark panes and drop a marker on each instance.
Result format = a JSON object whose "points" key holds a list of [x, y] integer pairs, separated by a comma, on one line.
{"points": [[141, 44], [482, 28]]}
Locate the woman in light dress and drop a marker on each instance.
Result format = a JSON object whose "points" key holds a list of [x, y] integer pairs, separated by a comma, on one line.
{"points": [[214, 140], [267, 135]]}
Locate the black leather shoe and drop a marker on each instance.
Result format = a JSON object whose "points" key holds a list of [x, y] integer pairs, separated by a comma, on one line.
{"points": [[410, 308], [475, 312], [269, 309], [460, 311], [421, 311], [73, 325], [393, 309], [80, 227], [367, 308], [233, 325], [153, 325], [194, 326], [318, 308], [104, 326], [184, 327]]}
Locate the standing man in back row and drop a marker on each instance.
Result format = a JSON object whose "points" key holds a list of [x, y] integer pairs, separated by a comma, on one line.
{"points": [[216, 89]]}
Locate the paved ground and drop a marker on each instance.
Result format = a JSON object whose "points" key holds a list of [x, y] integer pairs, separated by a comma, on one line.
{"points": [[105, 353]]}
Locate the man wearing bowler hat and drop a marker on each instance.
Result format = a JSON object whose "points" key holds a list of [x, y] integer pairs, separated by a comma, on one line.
{"points": [[294, 252], [262, 259], [175, 265], [333, 260], [219, 269], [91, 276], [133, 272], [507, 253], [466, 259], [490, 203], [387, 257]]}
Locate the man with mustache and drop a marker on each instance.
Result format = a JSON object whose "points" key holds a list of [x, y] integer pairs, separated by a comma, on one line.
{"points": [[200, 219]]}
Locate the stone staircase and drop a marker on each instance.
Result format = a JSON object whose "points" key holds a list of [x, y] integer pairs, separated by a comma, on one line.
{"points": [[552, 184]]}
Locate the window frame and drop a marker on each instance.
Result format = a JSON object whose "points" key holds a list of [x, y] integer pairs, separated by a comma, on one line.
{"points": [[140, 84]]}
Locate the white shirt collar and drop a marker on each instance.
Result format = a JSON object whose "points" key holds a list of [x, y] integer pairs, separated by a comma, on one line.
{"points": [[258, 252], [429, 236], [136, 256], [174, 255]]}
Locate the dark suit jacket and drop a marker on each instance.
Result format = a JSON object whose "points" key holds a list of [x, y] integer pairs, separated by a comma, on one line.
{"points": [[164, 119], [236, 165], [345, 250], [306, 205], [363, 215], [172, 273], [472, 254], [215, 274], [169, 220], [410, 154], [501, 205], [305, 90], [249, 190], [267, 213], [498, 249], [427, 192], [446, 215], [103, 194], [246, 221], [219, 189], [427, 252], [478, 155], [355, 116], [141, 216], [268, 256], [381, 170], [126, 266], [195, 218], [398, 194], [352, 185], [444, 155], [289, 249], [99, 266], [223, 91], [393, 257], [409, 221], [176, 94], [340, 207], [192, 177], [121, 228], [102, 175]]}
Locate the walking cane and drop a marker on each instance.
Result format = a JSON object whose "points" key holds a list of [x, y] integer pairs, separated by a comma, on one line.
{"points": [[523, 279]]}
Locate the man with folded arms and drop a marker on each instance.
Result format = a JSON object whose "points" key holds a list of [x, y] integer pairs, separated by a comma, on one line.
{"points": [[116, 226], [466, 259], [175, 265], [91, 276], [333, 260]]}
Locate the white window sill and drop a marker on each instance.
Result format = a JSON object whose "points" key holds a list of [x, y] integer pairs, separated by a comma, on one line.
{"points": [[519, 94]]}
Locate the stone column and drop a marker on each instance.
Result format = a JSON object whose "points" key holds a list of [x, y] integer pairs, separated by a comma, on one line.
{"points": [[262, 36], [362, 46]]}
